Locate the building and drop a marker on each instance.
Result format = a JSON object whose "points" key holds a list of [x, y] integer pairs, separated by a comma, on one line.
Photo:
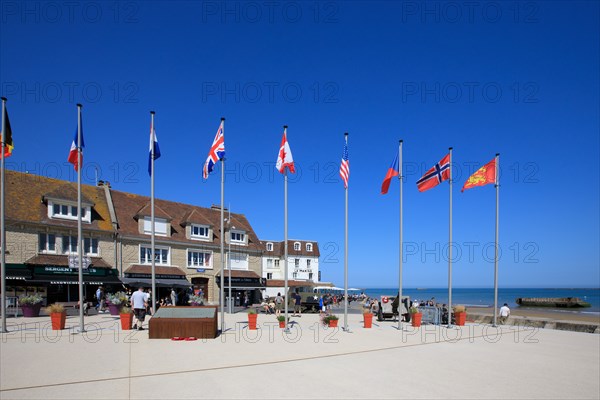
{"points": [[303, 264]]}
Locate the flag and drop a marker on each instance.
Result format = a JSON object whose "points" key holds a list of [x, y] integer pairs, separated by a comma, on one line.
{"points": [[483, 176], [8, 142], [345, 166], [153, 141], [217, 151], [73, 153], [438, 173], [284, 158], [392, 172]]}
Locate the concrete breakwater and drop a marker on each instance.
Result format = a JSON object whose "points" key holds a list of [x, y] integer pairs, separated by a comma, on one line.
{"points": [[574, 326]]}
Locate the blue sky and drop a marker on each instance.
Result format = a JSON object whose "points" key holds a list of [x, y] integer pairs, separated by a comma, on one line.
{"points": [[520, 79]]}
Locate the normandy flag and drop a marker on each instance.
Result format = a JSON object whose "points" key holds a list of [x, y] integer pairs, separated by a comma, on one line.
{"points": [[7, 138], [483, 176]]}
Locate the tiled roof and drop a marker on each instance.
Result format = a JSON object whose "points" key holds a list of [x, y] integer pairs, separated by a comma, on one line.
{"points": [[195, 217], [63, 261], [128, 204], [278, 248], [146, 211], [291, 283], [241, 274], [24, 201], [68, 192], [158, 270]]}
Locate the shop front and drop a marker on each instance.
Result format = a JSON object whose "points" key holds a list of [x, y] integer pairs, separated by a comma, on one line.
{"points": [[243, 283], [166, 279]]}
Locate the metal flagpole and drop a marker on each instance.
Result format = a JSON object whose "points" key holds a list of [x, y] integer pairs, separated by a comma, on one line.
{"points": [[400, 178], [285, 236], [496, 244], [152, 229], [79, 235], [450, 248], [346, 253], [222, 293], [2, 227], [229, 306]]}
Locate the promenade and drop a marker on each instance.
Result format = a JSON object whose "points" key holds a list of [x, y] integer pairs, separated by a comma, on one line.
{"points": [[474, 361]]}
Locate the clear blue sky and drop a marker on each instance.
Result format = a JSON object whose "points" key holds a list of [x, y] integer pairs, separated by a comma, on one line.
{"points": [[516, 78]]}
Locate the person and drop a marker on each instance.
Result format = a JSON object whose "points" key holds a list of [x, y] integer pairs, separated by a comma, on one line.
{"points": [[246, 300], [504, 313], [278, 303], [139, 304], [321, 305], [173, 297], [297, 305], [100, 298]]}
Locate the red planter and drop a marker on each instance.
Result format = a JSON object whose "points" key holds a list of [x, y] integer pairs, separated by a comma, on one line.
{"points": [[460, 318], [368, 318], [416, 319], [333, 323], [126, 321], [252, 321], [31, 310], [58, 320], [282, 324], [114, 309]]}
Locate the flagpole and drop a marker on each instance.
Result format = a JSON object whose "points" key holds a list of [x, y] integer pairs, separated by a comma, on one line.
{"points": [[152, 229], [346, 252], [222, 293], [450, 247], [285, 236], [79, 228], [229, 306], [2, 227], [401, 180], [496, 241]]}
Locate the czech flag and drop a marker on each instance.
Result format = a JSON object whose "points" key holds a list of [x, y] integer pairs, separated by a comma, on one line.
{"points": [[392, 172]]}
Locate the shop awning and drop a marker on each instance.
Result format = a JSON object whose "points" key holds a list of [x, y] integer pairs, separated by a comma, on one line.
{"points": [[74, 280], [160, 282], [17, 272]]}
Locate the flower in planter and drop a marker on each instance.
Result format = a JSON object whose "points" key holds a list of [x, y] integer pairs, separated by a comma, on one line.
{"points": [[32, 299], [55, 308], [196, 300], [119, 298], [328, 317]]}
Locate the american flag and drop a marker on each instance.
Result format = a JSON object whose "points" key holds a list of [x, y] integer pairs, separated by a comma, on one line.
{"points": [[345, 166], [217, 151]]}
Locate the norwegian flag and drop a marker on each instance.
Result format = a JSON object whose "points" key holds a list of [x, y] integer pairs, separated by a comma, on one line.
{"points": [[73, 152], [217, 150], [284, 158], [438, 173], [345, 166]]}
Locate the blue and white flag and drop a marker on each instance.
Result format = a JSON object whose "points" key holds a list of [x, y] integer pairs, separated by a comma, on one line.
{"points": [[153, 142]]}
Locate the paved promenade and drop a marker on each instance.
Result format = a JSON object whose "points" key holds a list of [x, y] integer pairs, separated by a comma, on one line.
{"points": [[475, 361]]}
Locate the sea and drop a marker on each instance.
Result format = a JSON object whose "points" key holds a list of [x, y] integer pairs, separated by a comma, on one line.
{"points": [[484, 297]]}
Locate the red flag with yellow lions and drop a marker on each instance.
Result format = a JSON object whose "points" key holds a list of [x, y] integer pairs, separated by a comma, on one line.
{"points": [[483, 176]]}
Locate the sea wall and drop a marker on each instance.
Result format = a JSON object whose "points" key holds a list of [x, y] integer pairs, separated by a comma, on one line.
{"points": [[538, 323]]}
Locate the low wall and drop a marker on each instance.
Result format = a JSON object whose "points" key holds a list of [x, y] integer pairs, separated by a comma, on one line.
{"points": [[538, 323]]}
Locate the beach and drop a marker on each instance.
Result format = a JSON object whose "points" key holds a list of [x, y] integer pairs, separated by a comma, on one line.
{"points": [[475, 361]]}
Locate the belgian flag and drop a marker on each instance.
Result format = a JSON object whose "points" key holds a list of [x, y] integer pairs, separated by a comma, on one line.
{"points": [[7, 138]]}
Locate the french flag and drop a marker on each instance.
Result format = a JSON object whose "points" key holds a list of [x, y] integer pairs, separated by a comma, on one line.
{"points": [[73, 153]]}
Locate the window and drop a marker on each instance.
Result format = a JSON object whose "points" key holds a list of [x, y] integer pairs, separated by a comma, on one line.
{"points": [[295, 275], [65, 211], [308, 246], [90, 246], [269, 275], [199, 232], [276, 263], [297, 262], [238, 237], [198, 259], [310, 275], [269, 263], [161, 255], [69, 245], [307, 263], [160, 226], [47, 243], [297, 246], [269, 246], [238, 261]]}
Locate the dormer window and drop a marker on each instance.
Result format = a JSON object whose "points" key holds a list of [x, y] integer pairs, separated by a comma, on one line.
{"points": [[238, 237], [269, 246], [160, 226], [297, 246], [199, 232], [68, 211], [308, 246]]}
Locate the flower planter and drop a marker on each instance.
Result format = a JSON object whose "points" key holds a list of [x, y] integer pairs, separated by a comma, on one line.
{"points": [[58, 320], [460, 318], [333, 323], [31, 310], [252, 321], [368, 319], [416, 319], [126, 321], [282, 324], [114, 309]]}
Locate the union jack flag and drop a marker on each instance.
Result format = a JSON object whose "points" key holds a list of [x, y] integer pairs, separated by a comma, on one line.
{"points": [[345, 166], [217, 150], [438, 173]]}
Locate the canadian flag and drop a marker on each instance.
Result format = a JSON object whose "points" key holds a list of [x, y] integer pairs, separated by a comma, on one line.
{"points": [[284, 158]]}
